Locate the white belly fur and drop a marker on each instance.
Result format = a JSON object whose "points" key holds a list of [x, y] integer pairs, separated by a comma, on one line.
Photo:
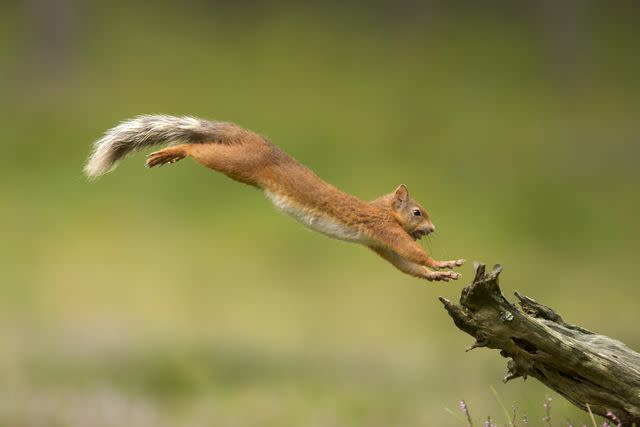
{"points": [[316, 221]]}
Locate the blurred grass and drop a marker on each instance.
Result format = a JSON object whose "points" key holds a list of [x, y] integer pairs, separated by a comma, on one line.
{"points": [[179, 297]]}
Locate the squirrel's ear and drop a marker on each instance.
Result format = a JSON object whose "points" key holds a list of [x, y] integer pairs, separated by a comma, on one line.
{"points": [[400, 196]]}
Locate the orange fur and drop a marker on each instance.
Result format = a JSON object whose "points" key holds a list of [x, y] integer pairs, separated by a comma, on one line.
{"points": [[388, 225]]}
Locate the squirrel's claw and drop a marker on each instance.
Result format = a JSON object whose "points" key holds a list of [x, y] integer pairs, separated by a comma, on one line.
{"points": [[443, 276], [449, 264]]}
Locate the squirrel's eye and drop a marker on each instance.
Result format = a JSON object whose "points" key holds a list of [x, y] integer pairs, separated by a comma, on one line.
{"points": [[416, 212]]}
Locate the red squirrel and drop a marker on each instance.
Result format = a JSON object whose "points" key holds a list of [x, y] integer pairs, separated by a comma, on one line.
{"points": [[389, 225]]}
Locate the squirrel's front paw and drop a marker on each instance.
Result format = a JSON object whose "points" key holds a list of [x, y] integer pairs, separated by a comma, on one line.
{"points": [[444, 276], [449, 264]]}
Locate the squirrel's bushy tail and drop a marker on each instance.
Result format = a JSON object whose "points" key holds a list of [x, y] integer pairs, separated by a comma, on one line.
{"points": [[147, 130]]}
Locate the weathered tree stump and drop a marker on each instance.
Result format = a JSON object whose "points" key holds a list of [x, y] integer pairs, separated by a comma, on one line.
{"points": [[584, 367]]}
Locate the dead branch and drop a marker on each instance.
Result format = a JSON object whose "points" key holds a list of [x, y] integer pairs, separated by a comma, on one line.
{"points": [[582, 366]]}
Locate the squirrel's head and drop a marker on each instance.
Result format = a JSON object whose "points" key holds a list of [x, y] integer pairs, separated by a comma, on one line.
{"points": [[411, 216]]}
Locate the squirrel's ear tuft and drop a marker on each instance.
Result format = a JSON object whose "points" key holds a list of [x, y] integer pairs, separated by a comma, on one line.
{"points": [[400, 196]]}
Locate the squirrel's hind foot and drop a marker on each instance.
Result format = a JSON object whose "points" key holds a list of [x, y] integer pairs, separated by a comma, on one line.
{"points": [[448, 264], [443, 276], [167, 155]]}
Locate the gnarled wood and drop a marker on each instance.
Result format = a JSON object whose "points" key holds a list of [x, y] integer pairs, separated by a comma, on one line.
{"points": [[584, 367]]}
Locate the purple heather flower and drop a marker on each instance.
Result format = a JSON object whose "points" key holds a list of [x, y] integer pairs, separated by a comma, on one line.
{"points": [[547, 411], [614, 418], [465, 411], [489, 423]]}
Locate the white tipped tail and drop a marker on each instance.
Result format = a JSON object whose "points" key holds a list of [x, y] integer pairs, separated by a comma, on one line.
{"points": [[144, 131]]}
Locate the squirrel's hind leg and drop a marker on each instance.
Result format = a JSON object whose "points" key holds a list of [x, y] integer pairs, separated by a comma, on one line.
{"points": [[167, 155]]}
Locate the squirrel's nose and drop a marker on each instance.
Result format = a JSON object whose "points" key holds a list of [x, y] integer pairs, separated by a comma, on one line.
{"points": [[431, 228]]}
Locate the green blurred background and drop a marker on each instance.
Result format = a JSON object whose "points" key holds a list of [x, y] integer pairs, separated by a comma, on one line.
{"points": [[178, 297]]}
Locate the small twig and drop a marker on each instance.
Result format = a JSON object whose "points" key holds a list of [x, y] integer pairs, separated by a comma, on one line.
{"points": [[593, 419], [504, 409], [456, 416]]}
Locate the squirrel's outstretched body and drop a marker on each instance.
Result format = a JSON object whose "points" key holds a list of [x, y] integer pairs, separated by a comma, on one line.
{"points": [[389, 225]]}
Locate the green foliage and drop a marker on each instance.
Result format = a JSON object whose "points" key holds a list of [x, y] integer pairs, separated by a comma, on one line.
{"points": [[183, 293]]}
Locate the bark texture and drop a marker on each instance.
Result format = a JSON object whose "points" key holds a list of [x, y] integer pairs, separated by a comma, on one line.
{"points": [[584, 367]]}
